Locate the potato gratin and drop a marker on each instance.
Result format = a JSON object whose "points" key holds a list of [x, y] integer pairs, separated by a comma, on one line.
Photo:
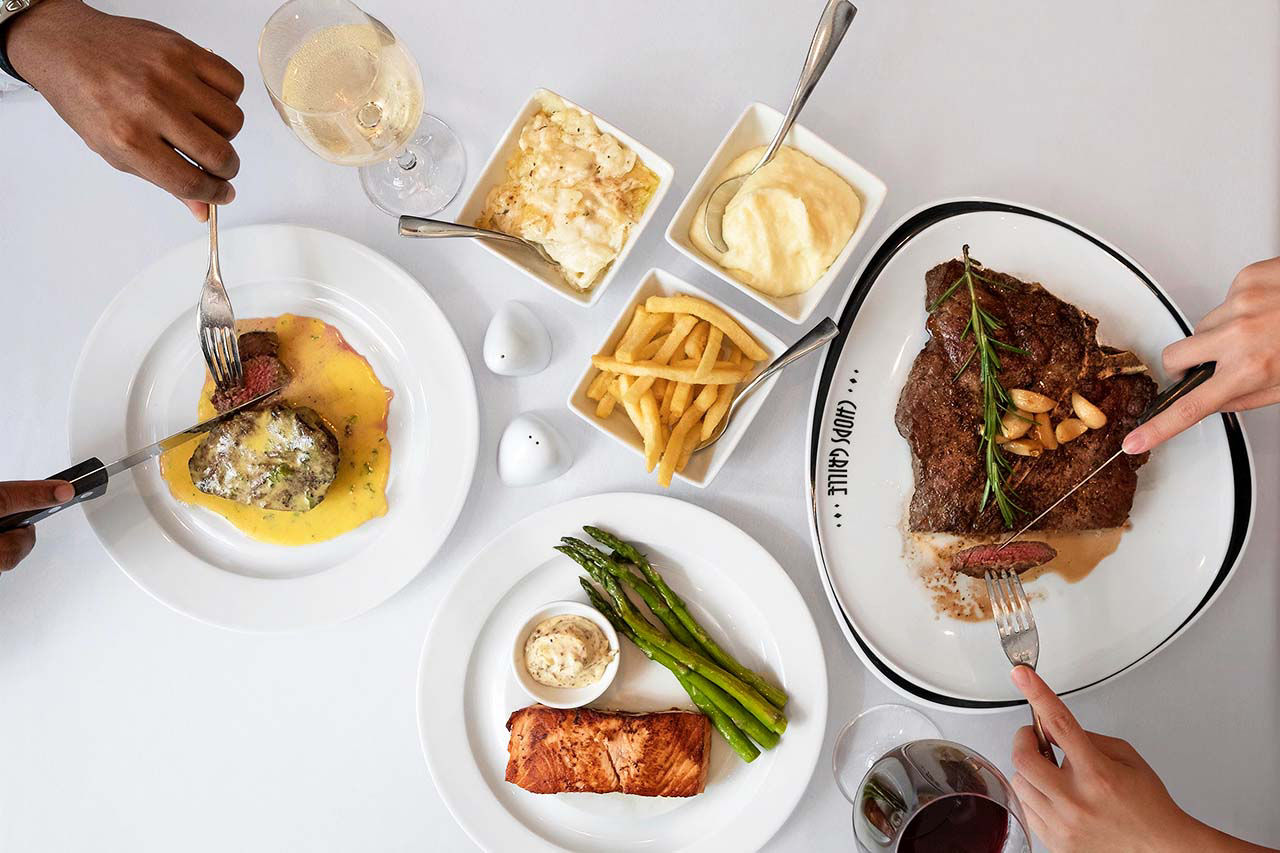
{"points": [[572, 189]]}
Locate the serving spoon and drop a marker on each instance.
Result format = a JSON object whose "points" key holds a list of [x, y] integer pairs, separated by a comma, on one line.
{"points": [[416, 226], [815, 338], [832, 26]]}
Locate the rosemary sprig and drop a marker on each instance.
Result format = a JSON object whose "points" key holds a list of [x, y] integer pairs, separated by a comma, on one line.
{"points": [[982, 326]]}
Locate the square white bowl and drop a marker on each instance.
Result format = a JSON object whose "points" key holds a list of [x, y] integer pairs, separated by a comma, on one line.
{"points": [[704, 466], [756, 126], [495, 171]]}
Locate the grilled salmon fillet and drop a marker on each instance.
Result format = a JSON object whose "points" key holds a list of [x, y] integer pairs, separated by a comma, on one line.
{"points": [[663, 754]]}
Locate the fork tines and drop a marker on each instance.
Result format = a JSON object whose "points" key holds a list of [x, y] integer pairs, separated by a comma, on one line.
{"points": [[222, 354], [1009, 605]]}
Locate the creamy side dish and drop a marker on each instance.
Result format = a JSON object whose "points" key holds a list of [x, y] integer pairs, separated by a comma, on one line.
{"points": [[567, 651], [572, 189], [785, 226]]}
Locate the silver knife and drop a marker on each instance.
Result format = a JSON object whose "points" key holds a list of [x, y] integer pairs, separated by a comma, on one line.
{"points": [[1191, 380], [90, 477]]}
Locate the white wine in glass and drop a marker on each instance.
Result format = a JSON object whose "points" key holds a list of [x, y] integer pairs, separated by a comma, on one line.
{"points": [[352, 93]]}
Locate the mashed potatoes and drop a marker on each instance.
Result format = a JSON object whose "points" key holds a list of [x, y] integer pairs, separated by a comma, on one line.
{"points": [[572, 189], [785, 226]]}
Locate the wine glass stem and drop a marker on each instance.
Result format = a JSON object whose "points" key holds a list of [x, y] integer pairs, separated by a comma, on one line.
{"points": [[407, 160]]}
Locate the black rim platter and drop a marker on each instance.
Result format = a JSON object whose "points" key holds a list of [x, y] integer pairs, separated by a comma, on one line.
{"points": [[913, 225]]}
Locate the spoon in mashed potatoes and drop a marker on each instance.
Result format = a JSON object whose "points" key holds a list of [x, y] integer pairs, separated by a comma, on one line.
{"points": [[835, 21]]}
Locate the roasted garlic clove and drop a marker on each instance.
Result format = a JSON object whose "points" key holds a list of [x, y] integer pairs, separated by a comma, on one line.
{"points": [[1093, 417], [1031, 401]]}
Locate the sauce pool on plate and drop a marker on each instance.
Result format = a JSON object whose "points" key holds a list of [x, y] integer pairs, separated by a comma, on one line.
{"points": [[339, 384]]}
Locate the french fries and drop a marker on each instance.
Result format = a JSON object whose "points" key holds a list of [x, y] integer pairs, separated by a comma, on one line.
{"points": [[674, 372], [714, 315]]}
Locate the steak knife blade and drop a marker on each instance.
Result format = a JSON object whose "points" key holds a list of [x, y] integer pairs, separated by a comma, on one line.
{"points": [[90, 477]]}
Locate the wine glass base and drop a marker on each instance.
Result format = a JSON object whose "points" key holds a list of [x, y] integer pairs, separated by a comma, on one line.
{"points": [[871, 734], [426, 187]]}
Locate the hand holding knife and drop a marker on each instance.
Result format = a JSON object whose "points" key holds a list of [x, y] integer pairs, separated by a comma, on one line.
{"points": [[1191, 380], [89, 478]]}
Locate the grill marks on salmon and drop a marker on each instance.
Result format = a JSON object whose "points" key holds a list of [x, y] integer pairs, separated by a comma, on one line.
{"points": [[662, 754]]}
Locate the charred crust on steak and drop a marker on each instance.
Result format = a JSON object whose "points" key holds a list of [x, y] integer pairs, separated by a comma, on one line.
{"points": [[939, 414]]}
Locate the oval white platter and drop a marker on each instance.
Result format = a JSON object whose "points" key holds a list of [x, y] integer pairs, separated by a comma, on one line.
{"points": [[466, 689], [138, 379], [1190, 519]]}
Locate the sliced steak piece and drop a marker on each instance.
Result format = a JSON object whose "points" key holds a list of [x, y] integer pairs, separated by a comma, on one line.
{"points": [[263, 370], [1016, 557], [280, 457], [663, 754], [939, 413]]}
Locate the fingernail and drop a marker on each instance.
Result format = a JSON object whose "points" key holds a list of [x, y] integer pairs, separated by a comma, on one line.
{"points": [[63, 492], [1134, 442]]}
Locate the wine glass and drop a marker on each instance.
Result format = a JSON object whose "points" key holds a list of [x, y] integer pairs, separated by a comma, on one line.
{"points": [[350, 90], [913, 792]]}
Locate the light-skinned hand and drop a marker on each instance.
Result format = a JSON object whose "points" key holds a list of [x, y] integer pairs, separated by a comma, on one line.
{"points": [[22, 496], [137, 93], [1243, 336], [1104, 796]]}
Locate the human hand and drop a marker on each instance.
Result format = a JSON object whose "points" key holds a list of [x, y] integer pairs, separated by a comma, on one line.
{"points": [[1104, 796], [134, 92], [1241, 336], [23, 496]]}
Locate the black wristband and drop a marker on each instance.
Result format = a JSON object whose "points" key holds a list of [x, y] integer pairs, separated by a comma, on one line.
{"points": [[5, 65]]}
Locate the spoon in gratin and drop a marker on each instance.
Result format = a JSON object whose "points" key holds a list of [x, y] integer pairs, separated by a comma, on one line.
{"points": [[416, 226], [815, 338], [831, 29]]}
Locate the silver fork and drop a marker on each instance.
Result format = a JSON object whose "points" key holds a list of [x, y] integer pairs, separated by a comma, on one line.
{"points": [[1018, 635], [216, 321]]}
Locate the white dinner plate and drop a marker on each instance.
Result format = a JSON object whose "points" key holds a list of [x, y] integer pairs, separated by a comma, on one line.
{"points": [[138, 380], [1190, 517], [466, 689]]}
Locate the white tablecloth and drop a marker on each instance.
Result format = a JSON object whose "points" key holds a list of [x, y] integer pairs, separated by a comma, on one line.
{"points": [[127, 727]]}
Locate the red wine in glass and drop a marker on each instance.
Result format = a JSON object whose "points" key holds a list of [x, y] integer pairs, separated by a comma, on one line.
{"points": [[935, 796], [958, 823]]}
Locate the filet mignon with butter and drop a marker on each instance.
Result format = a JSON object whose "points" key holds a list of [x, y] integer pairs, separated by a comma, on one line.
{"points": [[279, 457]]}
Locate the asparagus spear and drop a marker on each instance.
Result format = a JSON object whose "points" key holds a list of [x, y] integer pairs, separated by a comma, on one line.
{"points": [[689, 680], [775, 695], [734, 686], [740, 716], [584, 552]]}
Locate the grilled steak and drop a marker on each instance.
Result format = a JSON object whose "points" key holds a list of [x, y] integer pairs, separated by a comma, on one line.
{"points": [[664, 754], [280, 457], [263, 370], [940, 413], [1016, 556]]}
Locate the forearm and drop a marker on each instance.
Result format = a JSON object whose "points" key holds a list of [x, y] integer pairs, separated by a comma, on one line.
{"points": [[1202, 838], [28, 37]]}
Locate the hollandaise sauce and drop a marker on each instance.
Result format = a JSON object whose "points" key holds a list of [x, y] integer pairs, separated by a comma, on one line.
{"points": [[339, 383]]}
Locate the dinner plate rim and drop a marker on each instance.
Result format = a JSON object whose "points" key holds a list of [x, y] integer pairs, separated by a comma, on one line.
{"points": [[818, 705], [250, 618], [897, 237]]}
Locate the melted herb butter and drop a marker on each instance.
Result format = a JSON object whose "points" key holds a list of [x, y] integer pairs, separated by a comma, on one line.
{"points": [[339, 383]]}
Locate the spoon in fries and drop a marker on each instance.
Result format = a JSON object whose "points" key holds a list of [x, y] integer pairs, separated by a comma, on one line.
{"points": [[835, 21], [815, 338]]}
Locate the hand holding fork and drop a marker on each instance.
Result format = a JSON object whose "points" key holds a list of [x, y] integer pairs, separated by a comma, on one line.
{"points": [[1017, 626]]}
